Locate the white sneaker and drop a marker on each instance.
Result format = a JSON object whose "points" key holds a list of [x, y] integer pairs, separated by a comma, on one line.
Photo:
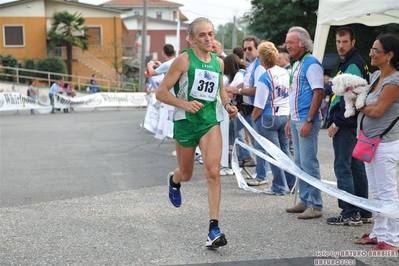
{"points": [[253, 176], [198, 157], [226, 171], [269, 191], [257, 182]]}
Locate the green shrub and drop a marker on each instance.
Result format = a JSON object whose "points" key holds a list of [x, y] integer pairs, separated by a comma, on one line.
{"points": [[51, 64], [29, 63], [8, 61]]}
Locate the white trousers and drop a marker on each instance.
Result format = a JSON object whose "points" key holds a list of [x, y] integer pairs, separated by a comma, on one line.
{"points": [[383, 185]]}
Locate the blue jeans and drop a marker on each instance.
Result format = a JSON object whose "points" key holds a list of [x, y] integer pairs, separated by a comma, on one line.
{"points": [[272, 128], [261, 165], [242, 152], [51, 96], [350, 172], [305, 150]]}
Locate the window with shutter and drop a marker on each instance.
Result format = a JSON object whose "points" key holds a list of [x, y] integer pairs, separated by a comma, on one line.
{"points": [[13, 35], [94, 34]]}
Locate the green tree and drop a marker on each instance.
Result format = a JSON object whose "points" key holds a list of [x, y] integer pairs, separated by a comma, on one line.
{"points": [[271, 19], [69, 30], [224, 33], [365, 37]]}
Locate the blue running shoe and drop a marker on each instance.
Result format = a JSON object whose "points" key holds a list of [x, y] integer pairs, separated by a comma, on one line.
{"points": [[215, 238], [174, 193]]}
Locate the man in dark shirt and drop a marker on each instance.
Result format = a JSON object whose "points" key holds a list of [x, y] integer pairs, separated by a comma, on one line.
{"points": [[350, 172]]}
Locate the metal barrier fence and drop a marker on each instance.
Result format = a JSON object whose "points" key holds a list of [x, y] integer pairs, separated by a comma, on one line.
{"points": [[45, 79]]}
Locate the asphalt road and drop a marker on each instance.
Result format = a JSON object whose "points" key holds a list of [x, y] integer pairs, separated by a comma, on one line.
{"points": [[89, 188], [61, 156]]}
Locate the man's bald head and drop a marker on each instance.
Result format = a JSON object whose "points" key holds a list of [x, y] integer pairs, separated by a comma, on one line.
{"points": [[217, 47]]}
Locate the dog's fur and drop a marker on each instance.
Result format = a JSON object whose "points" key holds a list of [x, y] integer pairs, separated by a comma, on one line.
{"points": [[354, 89]]}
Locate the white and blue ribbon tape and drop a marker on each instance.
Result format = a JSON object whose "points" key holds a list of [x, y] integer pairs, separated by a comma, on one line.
{"points": [[388, 209]]}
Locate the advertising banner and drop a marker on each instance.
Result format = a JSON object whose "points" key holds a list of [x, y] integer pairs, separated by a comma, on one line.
{"points": [[10, 101], [120, 99]]}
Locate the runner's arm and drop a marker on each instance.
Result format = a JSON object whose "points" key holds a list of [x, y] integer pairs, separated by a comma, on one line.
{"points": [[178, 68]]}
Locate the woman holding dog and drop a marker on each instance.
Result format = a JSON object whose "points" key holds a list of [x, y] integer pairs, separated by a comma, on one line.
{"points": [[381, 109]]}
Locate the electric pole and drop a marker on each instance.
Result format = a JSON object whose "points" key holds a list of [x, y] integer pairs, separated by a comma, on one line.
{"points": [[143, 48], [234, 34]]}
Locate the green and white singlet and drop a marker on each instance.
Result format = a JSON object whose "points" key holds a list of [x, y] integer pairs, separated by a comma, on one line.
{"points": [[201, 82]]}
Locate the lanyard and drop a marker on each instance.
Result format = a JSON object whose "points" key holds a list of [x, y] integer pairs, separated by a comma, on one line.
{"points": [[293, 72]]}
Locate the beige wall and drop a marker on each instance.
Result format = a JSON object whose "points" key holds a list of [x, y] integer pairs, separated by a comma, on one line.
{"points": [[35, 37], [35, 29], [111, 38]]}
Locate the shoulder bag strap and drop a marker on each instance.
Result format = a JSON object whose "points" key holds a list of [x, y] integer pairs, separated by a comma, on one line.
{"points": [[386, 130], [390, 127], [361, 122]]}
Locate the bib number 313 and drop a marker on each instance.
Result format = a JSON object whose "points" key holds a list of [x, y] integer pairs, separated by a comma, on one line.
{"points": [[205, 86]]}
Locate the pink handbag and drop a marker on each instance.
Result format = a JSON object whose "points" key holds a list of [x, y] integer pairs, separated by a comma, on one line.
{"points": [[365, 147]]}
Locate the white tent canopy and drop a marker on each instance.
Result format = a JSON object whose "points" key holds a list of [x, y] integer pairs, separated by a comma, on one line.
{"points": [[343, 12]]}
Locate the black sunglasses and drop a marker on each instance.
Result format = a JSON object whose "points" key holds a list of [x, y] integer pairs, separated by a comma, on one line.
{"points": [[248, 48]]}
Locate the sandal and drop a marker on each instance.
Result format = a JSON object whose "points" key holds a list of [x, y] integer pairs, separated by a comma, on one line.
{"points": [[365, 240], [384, 246]]}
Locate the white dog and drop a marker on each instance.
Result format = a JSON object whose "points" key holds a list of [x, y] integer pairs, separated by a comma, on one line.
{"points": [[354, 89]]}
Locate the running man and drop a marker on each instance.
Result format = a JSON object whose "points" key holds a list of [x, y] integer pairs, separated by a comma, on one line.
{"points": [[196, 76]]}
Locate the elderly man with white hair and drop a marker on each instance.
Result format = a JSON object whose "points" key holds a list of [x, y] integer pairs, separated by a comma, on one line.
{"points": [[305, 96]]}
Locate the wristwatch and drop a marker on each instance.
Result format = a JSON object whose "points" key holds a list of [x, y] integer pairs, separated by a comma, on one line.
{"points": [[334, 126], [239, 91], [309, 120]]}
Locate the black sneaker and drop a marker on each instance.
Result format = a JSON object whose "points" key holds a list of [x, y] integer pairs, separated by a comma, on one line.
{"points": [[352, 220]]}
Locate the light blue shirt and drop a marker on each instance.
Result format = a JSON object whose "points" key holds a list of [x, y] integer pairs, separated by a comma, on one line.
{"points": [[55, 88], [162, 69], [307, 76]]}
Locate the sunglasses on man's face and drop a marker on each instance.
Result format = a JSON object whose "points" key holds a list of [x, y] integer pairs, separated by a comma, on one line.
{"points": [[248, 48]]}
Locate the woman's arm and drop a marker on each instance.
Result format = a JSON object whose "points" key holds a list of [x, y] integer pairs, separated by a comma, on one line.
{"points": [[388, 95], [261, 95]]}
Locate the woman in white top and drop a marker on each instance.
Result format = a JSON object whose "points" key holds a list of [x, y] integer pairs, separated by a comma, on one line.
{"points": [[380, 111], [271, 111]]}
